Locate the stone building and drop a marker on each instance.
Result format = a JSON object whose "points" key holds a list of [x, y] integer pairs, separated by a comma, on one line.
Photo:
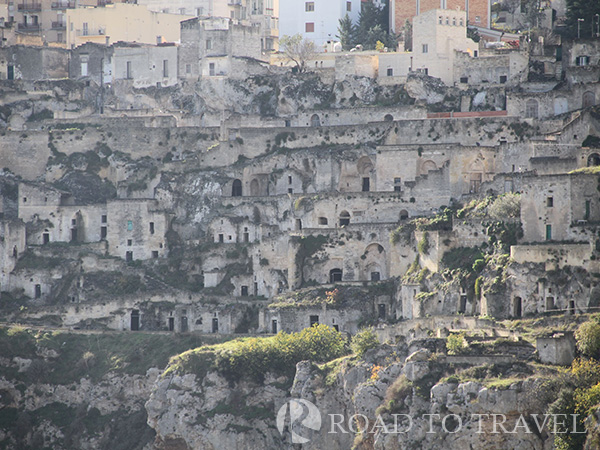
{"points": [[208, 46], [477, 12], [29, 63]]}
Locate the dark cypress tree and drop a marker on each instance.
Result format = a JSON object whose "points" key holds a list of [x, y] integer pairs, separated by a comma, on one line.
{"points": [[347, 33], [582, 9]]}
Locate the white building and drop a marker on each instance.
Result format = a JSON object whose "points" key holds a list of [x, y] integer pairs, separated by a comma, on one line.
{"points": [[316, 20]]}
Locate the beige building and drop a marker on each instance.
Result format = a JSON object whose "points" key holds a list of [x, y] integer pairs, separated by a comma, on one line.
{"points": [[121, 22], [437, 35], [262, 13], [41, 22]]}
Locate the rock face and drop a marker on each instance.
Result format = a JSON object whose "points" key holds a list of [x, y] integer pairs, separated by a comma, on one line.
{"points": [[189, 413]]}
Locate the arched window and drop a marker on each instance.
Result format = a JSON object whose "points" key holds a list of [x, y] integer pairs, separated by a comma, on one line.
{"points": [[388, 118], [236, 188], [315, 121], [403, 214], [428, 166]]}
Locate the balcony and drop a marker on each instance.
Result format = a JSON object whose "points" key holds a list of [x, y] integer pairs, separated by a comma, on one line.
{"points": [[91, 32], [29, 27], [63, 5], [59, 25], [29, 7], [104, 2]]}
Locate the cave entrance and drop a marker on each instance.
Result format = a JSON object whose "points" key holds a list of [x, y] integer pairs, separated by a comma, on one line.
{"points": [[215, 325], [517, 307]]}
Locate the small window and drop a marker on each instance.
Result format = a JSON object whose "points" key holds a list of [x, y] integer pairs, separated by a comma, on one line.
{"points": [[209, 44], [129, 242], [24, 199], [104, 218], [129, 74], [73, 221], [348, 6], [151, 227], [454, 21], [314, 320], [129, 225], [477, 19], [309, 6], [464, 80], [38, 291], [425, 48], [503, 79], [322, 220], [290, 190], [397, 184], [390, 72], [289, 180], [462, 23], [165, 68], [550, 202], [309, 27], [447, 21], [440, 20], [188, 68], [211, 69], [155, 254]]}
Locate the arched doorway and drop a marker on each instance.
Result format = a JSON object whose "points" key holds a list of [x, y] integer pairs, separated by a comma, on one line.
{"points": [[403, 214], [388, 118], [593, 160], [428, 166], [344, 218], [236, 188], [254, 187], [335, 275], [315, 121], [531, 109], [589, 99]]}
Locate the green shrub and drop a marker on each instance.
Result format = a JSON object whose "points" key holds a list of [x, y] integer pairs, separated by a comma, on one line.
{"points": [[588, 338], [395, 396], [456, 343], [423, 246], [364, 340]]}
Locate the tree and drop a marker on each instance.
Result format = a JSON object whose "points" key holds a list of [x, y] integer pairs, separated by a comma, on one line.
{"points": [[407, 32], [533, 13], [347, 33], [582, 9], [373, 26], [298, 50]]}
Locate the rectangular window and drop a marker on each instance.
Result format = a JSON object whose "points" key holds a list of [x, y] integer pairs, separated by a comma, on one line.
{"points": [[349, 6], [128, 256], [84, 69], [209, 44], [309, 27], [155, 254], [38, 291], [309, 6], [314, 320], [548, 232], [85, 30], [104, 218], [129, 74], [182, 11], [165, 68], [425, 48], [102, 233], [221, 238], [129, 225], [464, 80], [129, 242], [550, 202], [211, 69], [588, 204], [390, 72], [477, 19], [151, 227], [188, 68], [503, 79]]}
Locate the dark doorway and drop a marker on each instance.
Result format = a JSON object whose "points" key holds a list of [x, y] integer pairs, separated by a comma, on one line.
{"points": [[366, 184], [314, 320], [335, 275], [46, 238], [102, 232], [215, 325], [572, 307], [11, 73], [171, 323], [73, 234], [184, 324], [517, 307], [38, 291], [462, 307], [128, 256], [135, 320], [236, 188], [344, 218], [375, 276], [274, 326], [381, 310], [244, 291]]}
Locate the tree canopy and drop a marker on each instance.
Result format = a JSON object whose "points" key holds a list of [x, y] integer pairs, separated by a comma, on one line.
{"points": [[298, 50], [582, 9], [373, 27]]}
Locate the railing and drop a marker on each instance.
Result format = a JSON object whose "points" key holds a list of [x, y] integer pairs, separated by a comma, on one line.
{"points": [[29, 27], [30, 7], [59, 25], [62, 5], [91, 32]]}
